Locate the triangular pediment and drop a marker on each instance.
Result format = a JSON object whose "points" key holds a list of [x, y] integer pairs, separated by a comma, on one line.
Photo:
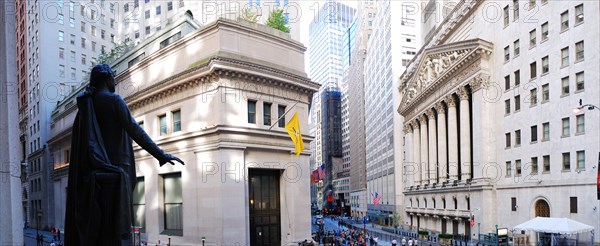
{"points": [[436, 65]]}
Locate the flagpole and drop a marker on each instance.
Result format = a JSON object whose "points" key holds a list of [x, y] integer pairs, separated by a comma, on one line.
{"points": [[277, 121]]}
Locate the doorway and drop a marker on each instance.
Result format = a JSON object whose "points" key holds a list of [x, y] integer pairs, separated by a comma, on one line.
{"points": [[264, 205]]}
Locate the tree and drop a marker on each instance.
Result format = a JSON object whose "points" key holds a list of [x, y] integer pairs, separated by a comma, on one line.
{"points": [[117, 51], [277, 20], [248, 15], [396, 219]]}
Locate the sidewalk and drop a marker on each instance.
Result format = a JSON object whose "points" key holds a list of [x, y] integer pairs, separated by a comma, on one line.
{"points": [[48, 237]]}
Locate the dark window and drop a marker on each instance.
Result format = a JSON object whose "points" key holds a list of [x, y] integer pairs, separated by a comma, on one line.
{"points": [[252, 112], [573, 205], [176, 121], [513, 203], [533, 133], [158, 10], [169, 6], [280, 113], [267, 114]]}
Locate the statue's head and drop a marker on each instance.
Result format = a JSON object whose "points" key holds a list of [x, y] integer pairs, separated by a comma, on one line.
{"points": [[102, 76]]}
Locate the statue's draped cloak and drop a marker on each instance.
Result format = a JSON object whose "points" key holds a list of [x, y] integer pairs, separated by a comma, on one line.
{"points": [[101, 147]]}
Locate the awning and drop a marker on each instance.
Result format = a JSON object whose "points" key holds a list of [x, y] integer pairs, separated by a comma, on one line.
{"points": [[554, 225]]}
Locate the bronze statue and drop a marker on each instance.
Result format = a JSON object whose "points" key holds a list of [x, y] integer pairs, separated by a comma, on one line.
{"points": [[102, 167]]}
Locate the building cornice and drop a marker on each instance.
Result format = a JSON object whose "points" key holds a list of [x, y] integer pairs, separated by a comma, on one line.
{"points": [[222, 131], [213, 69]]}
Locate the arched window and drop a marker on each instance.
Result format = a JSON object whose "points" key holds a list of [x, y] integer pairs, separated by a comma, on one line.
{"points": [[455, 203], [418, 203], [433, 199], [542, 209], [468, 203], [411, 205], [425, 202], [444, 202]]}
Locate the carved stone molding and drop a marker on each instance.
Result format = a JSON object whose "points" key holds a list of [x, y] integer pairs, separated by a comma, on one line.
{"points": [[439, 107], [440, 69], [423, 119], [479, 82], [463, 93], [451, 101], [407, 129], [431, 114]]}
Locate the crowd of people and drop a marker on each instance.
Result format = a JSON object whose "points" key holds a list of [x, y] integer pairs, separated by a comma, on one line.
{"points": [[346, 237]]}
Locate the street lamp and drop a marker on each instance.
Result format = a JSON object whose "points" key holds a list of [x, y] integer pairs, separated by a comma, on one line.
{"points": [[584, 106], [169, 243], [203, 239]]}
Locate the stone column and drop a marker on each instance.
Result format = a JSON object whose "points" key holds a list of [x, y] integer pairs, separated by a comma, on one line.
{"points": [[441, 140], [408, 154], [452, 138], [416, 161], [465, 134], [11, 214], [432, 174], [424, 150]]}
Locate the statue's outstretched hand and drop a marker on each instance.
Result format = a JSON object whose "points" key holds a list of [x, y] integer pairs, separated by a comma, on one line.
{"points": [[170, 158]]}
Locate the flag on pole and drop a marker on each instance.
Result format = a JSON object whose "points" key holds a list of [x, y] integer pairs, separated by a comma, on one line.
{"points": [[315, 174], [321, 171], [376, 198], [293, 129], [312, 178]]}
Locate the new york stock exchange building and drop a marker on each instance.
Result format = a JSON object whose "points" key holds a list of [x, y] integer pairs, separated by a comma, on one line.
{"points": [[490, 133]]}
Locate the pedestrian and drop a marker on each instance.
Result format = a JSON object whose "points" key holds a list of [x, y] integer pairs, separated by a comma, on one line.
{"points": [[55, 235], [158, 244], [60, 243], [394, 243], [410, 242], [404, 241], [52, 243], [58, 233]]}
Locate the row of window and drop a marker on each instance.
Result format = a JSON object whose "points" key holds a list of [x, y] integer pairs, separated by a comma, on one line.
{"points": [[533, 165], [36, 184], [35, 165], [566, 131], [564, 16], [163, 128], [35, 145], [572, 204], [73, 55], [454, 200], [171, 207], [533, 93], [266, 113], [61, 38], [564, 58]]}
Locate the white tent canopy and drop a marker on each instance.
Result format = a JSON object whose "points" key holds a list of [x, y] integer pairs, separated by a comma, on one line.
{"points": [[554, 225]]}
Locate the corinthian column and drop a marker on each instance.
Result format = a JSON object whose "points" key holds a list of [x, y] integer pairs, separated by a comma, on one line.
{"points": [[424, 150], [452, 138], [416, 161], [441, 129], [409, 158], [432, 174], [465, 134]]}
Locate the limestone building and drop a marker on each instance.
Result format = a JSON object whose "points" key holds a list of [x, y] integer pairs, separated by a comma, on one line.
{"points": [[489, 125], [210, 98], [392, 44]]}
